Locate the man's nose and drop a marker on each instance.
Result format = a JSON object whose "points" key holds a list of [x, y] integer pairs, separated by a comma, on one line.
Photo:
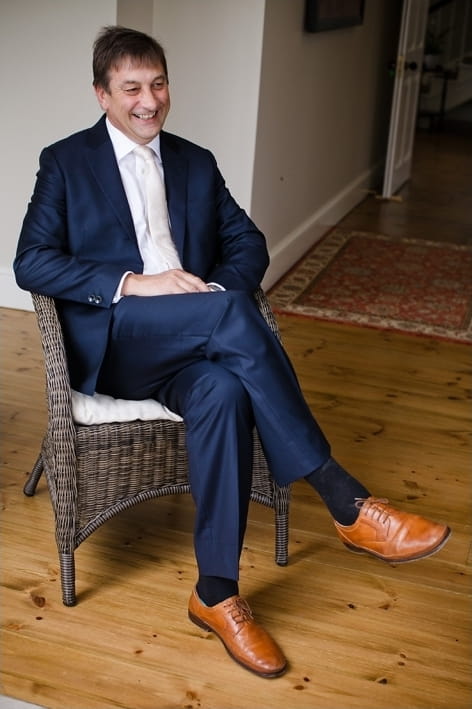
{"points": [[148, 97]]}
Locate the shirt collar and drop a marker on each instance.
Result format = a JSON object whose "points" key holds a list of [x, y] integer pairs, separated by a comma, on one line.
{"points": [[122, 145]]}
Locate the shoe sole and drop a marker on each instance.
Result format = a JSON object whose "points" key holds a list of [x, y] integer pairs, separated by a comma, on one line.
{"points": [[266, 675], [361, 550]]}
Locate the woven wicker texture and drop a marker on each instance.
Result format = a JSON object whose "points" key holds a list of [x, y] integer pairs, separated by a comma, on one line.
{"points": [[94, 472]]}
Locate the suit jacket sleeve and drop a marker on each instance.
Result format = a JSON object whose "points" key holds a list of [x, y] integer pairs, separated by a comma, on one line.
{"points": [[78, 236], [242, 257], [53, 255], [215, 237]]}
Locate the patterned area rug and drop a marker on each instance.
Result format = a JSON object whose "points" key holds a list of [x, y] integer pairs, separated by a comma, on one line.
{"points": [[408, 285]]}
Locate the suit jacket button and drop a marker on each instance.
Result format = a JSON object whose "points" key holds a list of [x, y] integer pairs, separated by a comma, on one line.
{"points": [[98, 299]]}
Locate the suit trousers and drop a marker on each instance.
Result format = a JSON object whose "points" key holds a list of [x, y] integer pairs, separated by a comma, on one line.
{"points": [[212, 358]]}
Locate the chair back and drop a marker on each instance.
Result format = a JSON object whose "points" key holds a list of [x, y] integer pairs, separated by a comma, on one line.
{"points": [[58, 389]]}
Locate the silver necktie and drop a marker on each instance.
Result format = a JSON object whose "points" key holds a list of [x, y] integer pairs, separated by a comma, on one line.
{"points": [[156, 207]]}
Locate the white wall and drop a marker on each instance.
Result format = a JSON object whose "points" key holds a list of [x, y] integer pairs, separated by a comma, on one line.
{"points": [[298, 122], [214, 49], [323, 124], [137, 14], [45, 55]]}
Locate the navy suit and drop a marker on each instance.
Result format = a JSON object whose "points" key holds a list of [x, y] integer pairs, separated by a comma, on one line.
{"points": [[208, 356], [78, 235]]}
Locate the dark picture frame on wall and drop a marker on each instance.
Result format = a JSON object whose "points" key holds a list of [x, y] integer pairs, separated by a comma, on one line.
{"points": [[324, 15]]}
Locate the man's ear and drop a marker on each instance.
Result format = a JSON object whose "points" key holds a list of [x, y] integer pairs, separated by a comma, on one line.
{"points": [[102, 96]]}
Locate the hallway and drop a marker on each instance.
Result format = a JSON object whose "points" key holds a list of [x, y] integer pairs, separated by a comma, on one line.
{"points": [[437, 201]]}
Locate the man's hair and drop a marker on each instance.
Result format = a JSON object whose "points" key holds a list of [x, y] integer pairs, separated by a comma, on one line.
{"points": [[114, 44]]}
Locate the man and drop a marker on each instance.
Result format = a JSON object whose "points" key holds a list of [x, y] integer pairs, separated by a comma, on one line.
{"points": [[149, 311]]}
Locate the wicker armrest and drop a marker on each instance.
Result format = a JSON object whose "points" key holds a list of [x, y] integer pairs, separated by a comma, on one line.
{"points": [[266, 310]]}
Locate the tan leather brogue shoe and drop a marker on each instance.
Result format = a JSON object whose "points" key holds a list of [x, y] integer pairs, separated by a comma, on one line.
{"points": [[246, 641], [392, 535]]}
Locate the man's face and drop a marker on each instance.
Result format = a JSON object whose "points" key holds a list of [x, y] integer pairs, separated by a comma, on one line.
{"points": [[137, 101]]}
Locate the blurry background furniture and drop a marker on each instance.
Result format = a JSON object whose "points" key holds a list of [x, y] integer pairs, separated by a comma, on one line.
{"points": [[432, 104], [446, 81], [95, 470]]}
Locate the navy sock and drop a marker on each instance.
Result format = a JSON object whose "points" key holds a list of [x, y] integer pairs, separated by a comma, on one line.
{"points": [[338, 490], [214, 589]]}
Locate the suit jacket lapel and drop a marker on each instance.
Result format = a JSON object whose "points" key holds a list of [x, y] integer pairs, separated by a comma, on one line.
{"points": [[175, 175], [102, 161]]}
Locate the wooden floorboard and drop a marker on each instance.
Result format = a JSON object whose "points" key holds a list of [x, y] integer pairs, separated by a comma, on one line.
{"points": [[358, 633]]}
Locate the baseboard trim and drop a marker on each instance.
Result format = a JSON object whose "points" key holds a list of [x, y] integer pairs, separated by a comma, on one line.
{"points": [[296, 244]]}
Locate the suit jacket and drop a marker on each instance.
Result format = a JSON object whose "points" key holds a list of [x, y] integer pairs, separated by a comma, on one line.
{"points": [[78, 237]]}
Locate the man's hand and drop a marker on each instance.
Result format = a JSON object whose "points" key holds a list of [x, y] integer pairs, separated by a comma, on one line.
{"points": [[166, 283]]}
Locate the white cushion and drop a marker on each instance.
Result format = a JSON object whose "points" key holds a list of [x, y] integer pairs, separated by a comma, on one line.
{"points": [[100, 408]]}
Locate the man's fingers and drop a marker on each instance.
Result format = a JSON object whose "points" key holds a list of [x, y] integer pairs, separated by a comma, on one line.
{"points": [[167, 283], [188, 282]]}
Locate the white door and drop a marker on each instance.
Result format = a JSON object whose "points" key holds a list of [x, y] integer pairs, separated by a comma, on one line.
{"points": [[405, 95]]}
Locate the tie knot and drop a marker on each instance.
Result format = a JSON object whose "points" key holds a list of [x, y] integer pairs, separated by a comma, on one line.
{"points": [[145, 152]]}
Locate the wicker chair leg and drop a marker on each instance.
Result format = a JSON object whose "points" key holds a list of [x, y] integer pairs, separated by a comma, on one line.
{"points": [[33, 479], [281, 535], [68, 579]]}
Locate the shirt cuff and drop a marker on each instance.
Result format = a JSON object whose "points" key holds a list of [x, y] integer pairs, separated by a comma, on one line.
{"points": [[117, 297], [215, 286]]}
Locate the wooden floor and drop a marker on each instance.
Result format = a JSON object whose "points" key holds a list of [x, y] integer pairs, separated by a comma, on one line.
{"points": [[358, 633]]}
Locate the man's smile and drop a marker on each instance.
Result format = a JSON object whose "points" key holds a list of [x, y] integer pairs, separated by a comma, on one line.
{"points": [[145, 116]]}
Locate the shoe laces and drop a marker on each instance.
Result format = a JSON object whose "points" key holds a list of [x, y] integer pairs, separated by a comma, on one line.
{"points": [[374, 507], [240, 610]]}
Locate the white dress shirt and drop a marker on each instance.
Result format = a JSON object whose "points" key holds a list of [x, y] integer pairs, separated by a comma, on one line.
{"points": [[133, 183], [132, 178]]}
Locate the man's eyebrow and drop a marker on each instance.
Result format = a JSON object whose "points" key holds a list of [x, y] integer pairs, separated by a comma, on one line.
{"points": [[126, 82]]}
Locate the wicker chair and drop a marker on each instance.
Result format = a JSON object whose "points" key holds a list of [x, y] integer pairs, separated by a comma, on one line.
{"points": [[95, 471]]}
